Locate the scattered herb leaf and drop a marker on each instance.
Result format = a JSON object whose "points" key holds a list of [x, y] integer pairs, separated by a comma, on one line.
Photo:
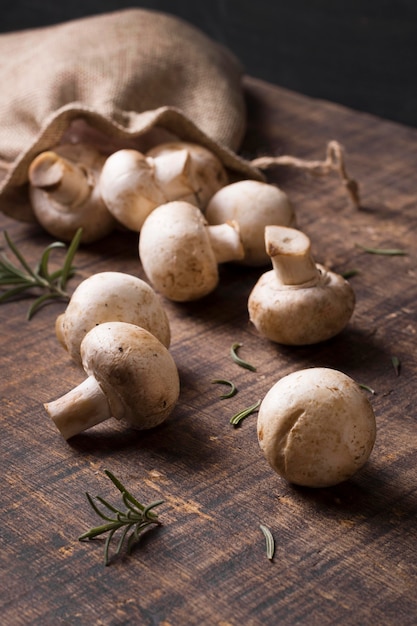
{"points": [[350, 273], [16, 280], [269, 540], [238, 417], [383, 251], [362, 386], [236, 358], [233, 388], [134, 520], [396, 365]]}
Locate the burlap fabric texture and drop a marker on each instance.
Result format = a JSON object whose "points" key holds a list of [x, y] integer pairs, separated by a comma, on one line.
{"points": [[124, 73]]}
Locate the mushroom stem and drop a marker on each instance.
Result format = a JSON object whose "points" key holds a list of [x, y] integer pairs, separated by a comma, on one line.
{"points": [[289, 250], [225, 242], [79, 409], [67, 183]]}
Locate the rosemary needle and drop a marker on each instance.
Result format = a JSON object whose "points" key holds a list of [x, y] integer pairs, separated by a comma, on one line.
{"points": [[366, 388], [383, 251], [238, 417], [233, 388], [269, 540], [396, 365], [133, 521], [236, 358]]}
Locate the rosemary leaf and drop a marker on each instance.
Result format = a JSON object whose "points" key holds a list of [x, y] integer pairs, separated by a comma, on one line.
{"points": [[362, 386], [238, 417], [236, 358], [233, 388], [396, 365], [269, 540], [383, 251], [350, 273]]}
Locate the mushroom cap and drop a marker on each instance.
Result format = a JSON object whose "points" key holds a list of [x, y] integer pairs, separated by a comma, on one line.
{"points": [[301, 314], [202, 172], [89, 213], [175, 251], [129, 188], [136, 373], [315, 427], [253, 205], [111, 296]]}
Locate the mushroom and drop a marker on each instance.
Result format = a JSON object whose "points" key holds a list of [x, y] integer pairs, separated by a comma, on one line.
{"points": [[65, 195], [130, 376], [253, 205], [133, 184], [110, 297], [298, 302], [188, 171], [180, 252], [315, 427]]}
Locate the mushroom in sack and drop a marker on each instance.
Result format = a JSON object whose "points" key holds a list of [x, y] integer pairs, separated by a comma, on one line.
{"points": [[298, 302], [316, 427], [131, 376], [65, 195], [133, 184], [180, 251], [111, 297]]}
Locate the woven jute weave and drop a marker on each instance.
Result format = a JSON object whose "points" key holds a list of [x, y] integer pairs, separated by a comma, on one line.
{"points": [[123, 73]]}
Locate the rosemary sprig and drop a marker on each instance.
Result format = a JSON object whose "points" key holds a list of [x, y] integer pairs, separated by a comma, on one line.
{"points": [[133, 521], [233, 388], [383, 251], [236, 358], [17, 279], [269, 540], [238, 417]]}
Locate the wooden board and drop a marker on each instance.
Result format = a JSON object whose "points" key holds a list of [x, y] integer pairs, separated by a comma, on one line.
{"points": [[346, 554]]}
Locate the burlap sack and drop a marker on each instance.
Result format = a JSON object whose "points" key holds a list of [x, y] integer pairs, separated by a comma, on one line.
{"points": [[124, 73]]}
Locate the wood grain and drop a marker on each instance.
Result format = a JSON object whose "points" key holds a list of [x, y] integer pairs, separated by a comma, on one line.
{"points": [[343, 555]]}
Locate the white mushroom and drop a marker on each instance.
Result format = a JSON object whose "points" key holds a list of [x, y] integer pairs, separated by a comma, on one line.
{"points": [[133, 184], [253, 205], [108, 297], [180, 252], [298, 302], [188, 171], [131, 376], [64, 193], [316, 428]]}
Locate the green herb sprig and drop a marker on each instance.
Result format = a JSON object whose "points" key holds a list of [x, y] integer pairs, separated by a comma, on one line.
{"points": [[133, 522], [241, 415], [233, 389], [15, 279], [236, 358], [269, 540]]}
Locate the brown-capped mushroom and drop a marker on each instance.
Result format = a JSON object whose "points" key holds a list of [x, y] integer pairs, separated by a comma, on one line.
{"points": [[315, 427], [65, 195], [298, 302], [180, 252], [253, 205], [131, 376], [111, 297]]}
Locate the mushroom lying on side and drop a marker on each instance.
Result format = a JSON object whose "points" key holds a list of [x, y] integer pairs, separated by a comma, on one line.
{"points": [[316, 428], [65, 195], [253, 205], [298, 302], [132, 184], [108, 297], [180, 252], [131, 376]]}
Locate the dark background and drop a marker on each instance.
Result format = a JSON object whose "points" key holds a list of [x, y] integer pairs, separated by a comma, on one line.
{"points": [[361, 53]]}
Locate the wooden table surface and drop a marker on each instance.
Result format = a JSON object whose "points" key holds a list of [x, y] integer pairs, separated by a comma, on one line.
{"points": [[344, 555]]}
